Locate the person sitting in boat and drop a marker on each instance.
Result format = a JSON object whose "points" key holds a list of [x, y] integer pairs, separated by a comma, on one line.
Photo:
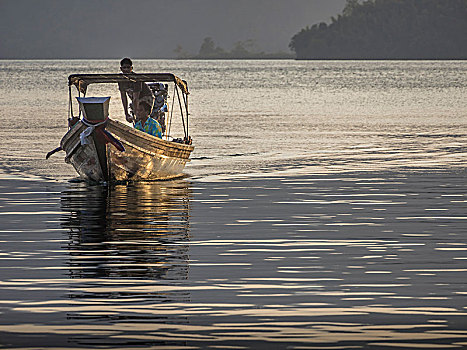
{"points": [[137, 91], [145, 123]]}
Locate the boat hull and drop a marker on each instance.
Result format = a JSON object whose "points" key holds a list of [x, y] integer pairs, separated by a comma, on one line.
{"points": [[145, 157]]}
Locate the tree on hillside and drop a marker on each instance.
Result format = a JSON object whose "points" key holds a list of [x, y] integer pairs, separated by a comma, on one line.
{"points": [[209, 49], [180, 52], [385, 29]]}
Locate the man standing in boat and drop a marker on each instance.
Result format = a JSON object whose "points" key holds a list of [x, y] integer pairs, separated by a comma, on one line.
{"points": [[137, 91]]}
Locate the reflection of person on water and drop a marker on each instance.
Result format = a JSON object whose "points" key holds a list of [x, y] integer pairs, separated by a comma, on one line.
{"points": [[137, 91], [145, 123]]}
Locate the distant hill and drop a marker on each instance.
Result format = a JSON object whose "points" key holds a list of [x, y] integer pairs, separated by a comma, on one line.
{"points": [[388, 29], [241, 50]]}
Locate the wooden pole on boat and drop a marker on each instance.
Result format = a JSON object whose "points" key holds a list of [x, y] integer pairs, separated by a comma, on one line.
{"points": [[171, 114], [70, 103], [181, 112], [95, 113], [185, 99]]}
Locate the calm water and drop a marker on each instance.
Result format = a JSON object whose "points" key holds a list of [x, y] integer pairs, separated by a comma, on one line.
{"points": [[263, 116], [325, 209]]}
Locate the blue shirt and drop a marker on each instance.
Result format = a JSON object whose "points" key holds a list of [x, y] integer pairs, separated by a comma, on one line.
{"points": [[152, 127]]}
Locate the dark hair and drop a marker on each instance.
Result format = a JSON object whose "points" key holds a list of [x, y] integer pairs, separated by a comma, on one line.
{"points": [[146, 106], [126, 60]]}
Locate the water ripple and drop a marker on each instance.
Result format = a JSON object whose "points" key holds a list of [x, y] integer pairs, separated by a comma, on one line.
{"points": [[159, 264]]}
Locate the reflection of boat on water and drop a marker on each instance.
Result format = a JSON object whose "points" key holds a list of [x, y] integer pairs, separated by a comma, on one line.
{"points": [[134, 230], [102, 149], [127, 246]]}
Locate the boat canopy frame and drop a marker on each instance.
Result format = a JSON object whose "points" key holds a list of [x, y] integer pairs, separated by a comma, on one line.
{"points": [[82, 81]]}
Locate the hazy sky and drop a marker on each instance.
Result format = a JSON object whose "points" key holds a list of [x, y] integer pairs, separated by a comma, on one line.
{"points": [[150, 29]]}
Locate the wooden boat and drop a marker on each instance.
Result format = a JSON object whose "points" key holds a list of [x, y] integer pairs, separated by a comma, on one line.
{"points": [[105, 150]]}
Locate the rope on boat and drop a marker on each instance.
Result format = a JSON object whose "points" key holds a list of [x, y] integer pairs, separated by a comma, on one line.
{"points": [[107, 136], [88, 131]]}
